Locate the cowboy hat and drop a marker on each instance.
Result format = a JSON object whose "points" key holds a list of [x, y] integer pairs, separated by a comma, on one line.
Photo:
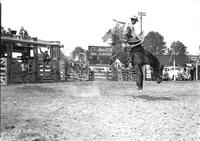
{"points": [[134, 17]]}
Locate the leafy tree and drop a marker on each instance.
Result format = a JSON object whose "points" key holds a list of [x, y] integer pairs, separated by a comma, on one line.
{"points": [[76, 51], [180, 48], [154, 42]]}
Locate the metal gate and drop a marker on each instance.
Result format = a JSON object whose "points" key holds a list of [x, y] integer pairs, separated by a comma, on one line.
{"points": [[48, 72], [21, 72]]}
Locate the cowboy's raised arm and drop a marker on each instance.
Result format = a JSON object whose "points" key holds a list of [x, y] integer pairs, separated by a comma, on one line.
{"points": [[119, 21], [41, 51]]}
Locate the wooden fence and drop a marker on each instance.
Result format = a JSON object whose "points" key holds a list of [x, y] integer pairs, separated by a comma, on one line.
{"points": [[125, 75], [3, 71]]}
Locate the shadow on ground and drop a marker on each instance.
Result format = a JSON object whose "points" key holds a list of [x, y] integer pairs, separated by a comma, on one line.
{"points": [[153, 98], [36, 88]]}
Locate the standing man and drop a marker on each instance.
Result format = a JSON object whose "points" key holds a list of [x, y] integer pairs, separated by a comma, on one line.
{"points": [[66, 70], [46, 57], [23, 33]]}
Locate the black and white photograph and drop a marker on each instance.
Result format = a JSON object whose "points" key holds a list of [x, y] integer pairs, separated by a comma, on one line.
{"points": [[100, 70]]}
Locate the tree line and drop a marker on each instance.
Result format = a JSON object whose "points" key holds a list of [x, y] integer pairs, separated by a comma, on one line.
{"points": [[154, 42]]}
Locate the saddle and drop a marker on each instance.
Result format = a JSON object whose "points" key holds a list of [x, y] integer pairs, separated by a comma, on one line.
{"points": [[133, 42], [131, 45]]}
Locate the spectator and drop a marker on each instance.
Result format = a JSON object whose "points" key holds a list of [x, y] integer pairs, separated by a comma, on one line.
{"points": [[9, 31], [192, 72], [185, 67], [2, 30], [71, 64], [66, 70], [46, 57], [23, 32], [25, 56]]}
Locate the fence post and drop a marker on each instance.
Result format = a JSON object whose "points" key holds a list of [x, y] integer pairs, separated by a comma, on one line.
{"points": [[197, 63]]}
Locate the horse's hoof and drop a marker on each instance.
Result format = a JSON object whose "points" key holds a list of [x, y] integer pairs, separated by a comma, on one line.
{"points": [[139, 88]]}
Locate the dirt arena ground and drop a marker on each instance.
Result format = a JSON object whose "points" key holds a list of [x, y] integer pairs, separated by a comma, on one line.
{"points": [[101, 111]]}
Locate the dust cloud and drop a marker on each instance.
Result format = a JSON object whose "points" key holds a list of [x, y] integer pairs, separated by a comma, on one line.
{"points": [[85, 90]]}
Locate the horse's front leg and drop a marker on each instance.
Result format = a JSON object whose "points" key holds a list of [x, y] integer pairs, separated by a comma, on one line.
{"points": [[139, 80]]}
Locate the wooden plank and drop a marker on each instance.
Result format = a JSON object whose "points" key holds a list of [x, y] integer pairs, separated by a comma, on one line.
{"points": [[31, 41]]}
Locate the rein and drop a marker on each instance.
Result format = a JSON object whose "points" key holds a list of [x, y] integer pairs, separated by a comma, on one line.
{"points": [[132, 46]]}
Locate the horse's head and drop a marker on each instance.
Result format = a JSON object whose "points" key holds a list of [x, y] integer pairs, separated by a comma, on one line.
{"points": [[158, 73]]}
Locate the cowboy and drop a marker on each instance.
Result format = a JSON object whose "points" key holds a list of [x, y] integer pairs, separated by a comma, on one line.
{"points": [[130, 35]]}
